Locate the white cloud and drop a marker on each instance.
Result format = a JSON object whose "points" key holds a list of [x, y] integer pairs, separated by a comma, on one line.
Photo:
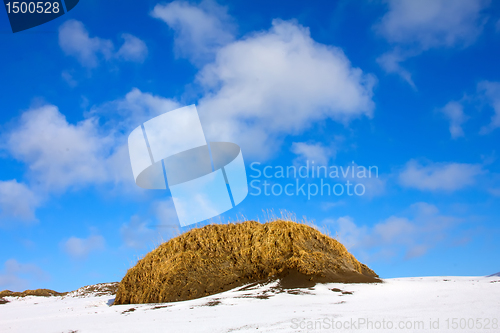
{"points": [[81, 247], [120, 117], [16, 276], [394, 230], [58, 154], [17, 202], [491, 92], [433, 23], [75, 41], [119, 170], [199, 29], [316, 152], [137, 107], [279, 82], [347, 232], [61, 155], [409, 236], [424, 209], [391, 63], [439, 176], [454, 112], [133, 49], [417, 26]]}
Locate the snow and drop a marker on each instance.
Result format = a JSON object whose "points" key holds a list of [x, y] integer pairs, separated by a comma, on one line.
{"points": [[432, 301]]}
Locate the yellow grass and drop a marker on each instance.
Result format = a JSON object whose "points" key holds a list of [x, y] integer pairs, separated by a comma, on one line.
{"points": [[219, 257]]}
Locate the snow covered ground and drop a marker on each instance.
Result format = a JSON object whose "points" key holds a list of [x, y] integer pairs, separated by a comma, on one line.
{"points": [[438, 304]]}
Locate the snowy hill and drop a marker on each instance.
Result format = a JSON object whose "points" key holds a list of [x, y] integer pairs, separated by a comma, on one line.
{"points": [[405, 304]]}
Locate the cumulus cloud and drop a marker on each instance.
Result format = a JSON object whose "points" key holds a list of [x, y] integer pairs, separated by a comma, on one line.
{"points": [[17, 202], [200, 30], [75, 41], [316, 152], [491, 92], [58, 154], [391, 63], [412, 235], [122, 116], [416, 26], [347, 232], [276, 83], [133, 49], [432, 23], [439, 176], [135, 108], [62, 156], [487, 95], [79, 248], [454, 112], [16, 276]]}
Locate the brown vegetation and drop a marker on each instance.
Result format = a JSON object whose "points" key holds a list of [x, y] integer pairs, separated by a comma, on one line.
{"points": [[100, 289], [220, 257], [36, 292]]}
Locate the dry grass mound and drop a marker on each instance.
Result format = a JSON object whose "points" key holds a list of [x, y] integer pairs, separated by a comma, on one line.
{"points": [[36, 292], [220, 257]]}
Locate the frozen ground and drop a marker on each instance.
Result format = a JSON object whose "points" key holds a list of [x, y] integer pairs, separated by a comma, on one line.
{"points": [[438, 304]]}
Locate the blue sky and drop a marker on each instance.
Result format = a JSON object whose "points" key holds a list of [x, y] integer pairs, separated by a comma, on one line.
{"points": [[411, 87]]}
